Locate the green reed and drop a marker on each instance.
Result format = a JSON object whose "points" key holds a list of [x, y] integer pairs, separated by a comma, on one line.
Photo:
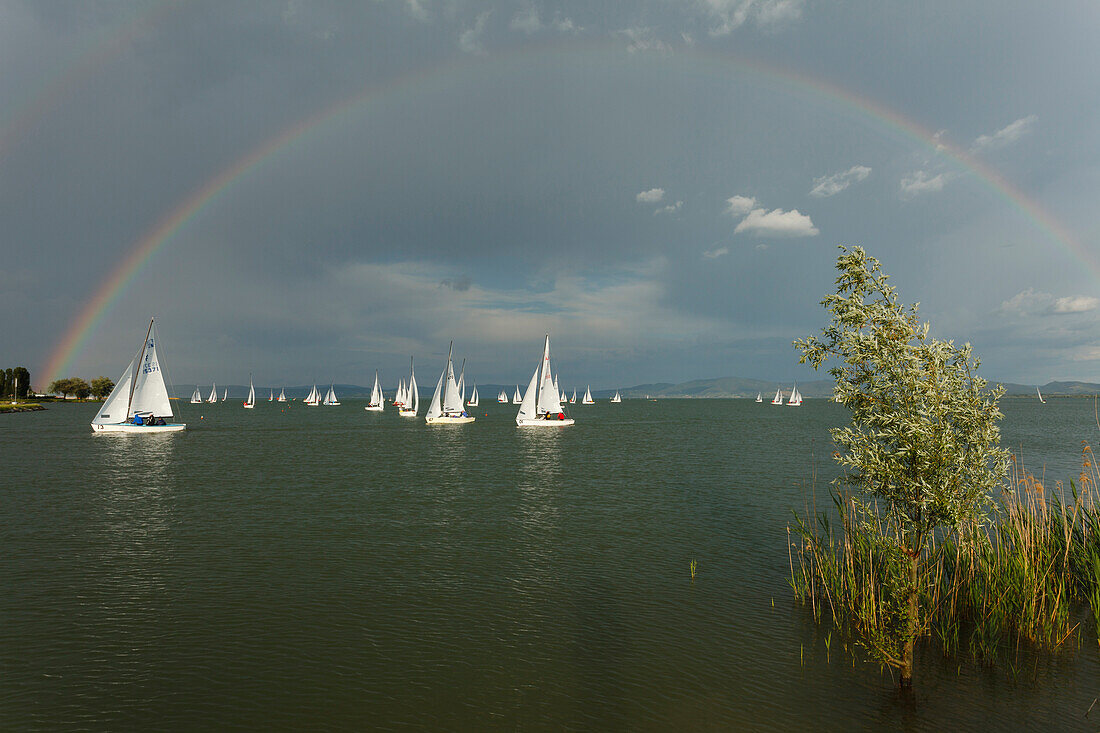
{"points": [[1029, 575]]}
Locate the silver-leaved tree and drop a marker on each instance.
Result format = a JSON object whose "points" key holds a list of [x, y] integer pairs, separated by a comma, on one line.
{"points": [[923, 443]]}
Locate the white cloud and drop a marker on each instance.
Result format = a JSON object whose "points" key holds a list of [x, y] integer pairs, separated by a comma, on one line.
{"points": [[1007, 135], [641, 40], [834, 184], [528, 21], [729, 15], [651, 196], [919, 182], [670, 209], [710, 254], [1031, 302], [777, 223], [739, 205], [1086, 353], [417, 9], [470, 39]]}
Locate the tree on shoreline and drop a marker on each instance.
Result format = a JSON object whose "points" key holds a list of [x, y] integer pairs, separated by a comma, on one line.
{"points": [[101, 387], [923, 441], [12, 378]]}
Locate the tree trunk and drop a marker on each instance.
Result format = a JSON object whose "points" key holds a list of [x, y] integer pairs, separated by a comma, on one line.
{"points": [[912, 625]]}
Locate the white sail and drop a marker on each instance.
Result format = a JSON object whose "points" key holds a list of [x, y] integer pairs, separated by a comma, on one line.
{"points": [[587, 400], [462, 383], [314, 397], [1040, 396], [271, 395], [251, 402], [452, 399], [225, 394], [617, 397], [778, 400], [573, 399], [376, 397], [474, 399], [282, 395], [548, 400], [213, 393], [435, 409], [196, 397], [411, 393], [114, 409], [527, 408], [150, 394], [502, 397], [795, 399], [517, 397], [759, 397], [330, 398]]}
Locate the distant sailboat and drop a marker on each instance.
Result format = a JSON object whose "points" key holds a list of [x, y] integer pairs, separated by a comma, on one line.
{"points": [[517, 398], [778, 400], [1036, 392], [377, 399], [314, 397], [225, 394], [213, 393], [139, 402], [411, 397], [251, 401], [473, 397], [573, 399], [196, 398], [795, 398], [271, 395], [587, 399], [541, 406], [617, 397], [282, 395], [446, 407], [502, 397], [759, 398], [330, 398]]}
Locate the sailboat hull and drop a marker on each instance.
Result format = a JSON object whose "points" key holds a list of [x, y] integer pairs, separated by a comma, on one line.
{"points": [[248, 406], [447, 420], [374, 408], [138, 429], [406, 413], [545, 423]]}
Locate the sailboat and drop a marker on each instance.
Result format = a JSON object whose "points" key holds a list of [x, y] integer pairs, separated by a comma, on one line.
{"points": [[759, 398], [502, 397], [196, 398], [1036, 392], [795, 399], [541, 406], [271, 395], [587, 399], [473, 397], [282, 395], [573, 399], [225, 394], [213, 394], [377, 399], [314, 397], [412, 396], [778, 399], [399, 396], [448, 410], [616, 398], [517, 398], [139, 402], [251, 401], [330, 398], [462, 383]]}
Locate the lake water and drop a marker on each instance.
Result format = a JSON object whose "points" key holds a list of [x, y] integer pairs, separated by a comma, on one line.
{"points": [[320, 568]]}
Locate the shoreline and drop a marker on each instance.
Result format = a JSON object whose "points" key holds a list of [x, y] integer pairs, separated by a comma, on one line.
{"points": [[9, 408]]}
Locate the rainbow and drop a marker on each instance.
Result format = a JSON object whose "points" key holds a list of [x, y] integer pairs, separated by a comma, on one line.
{"points": [[800, 84]]}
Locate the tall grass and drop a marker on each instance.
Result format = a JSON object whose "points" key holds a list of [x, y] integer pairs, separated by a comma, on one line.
{"points": [[1030, 574]]}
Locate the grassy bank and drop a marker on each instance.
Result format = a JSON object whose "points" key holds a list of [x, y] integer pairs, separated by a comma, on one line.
{"points": [[20, 407], [1029, 574]]}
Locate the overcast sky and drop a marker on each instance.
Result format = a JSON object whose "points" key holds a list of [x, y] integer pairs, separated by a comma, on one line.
{"points": [[661, 185]]}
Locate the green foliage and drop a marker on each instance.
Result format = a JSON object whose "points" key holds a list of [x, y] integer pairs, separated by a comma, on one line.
{"points": [[12, 378], [923, 435], [923, 441], [80, 388], [101, 387]]}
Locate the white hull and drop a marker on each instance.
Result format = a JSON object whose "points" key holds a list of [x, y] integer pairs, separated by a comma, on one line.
{"points": [[545, 423], [588, 403], [445, 420], [374, 408], [249, 407], [130, 428], [406, 413]]}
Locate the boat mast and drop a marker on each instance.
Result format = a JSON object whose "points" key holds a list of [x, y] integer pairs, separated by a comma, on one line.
{"points": [[137, 365]]}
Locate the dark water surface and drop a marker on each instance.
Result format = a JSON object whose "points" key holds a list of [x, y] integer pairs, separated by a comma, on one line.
{"points": [[319, 568]]}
